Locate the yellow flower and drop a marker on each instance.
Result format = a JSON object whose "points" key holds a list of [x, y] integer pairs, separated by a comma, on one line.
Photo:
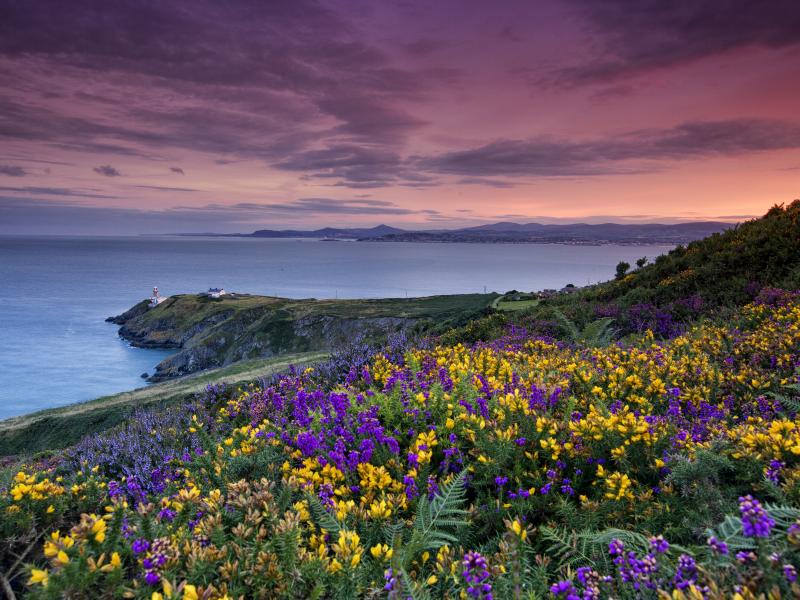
{"points": [[115, 560], [380, 510], [381, 551], [190, 592], [431, 580], [62, 557], [519, 529], [38, 576], [50, 549], [335, 566]]}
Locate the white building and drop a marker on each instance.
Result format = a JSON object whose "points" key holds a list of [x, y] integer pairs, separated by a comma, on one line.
{"points": [[156, 299], [215, 292]]}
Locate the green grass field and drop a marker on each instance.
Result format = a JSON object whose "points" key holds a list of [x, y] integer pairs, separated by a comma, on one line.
{"points": [[517, 304], [60, 427], [504, 303]]}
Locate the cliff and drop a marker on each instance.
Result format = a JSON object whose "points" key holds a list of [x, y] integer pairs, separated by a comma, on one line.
{"points": [[210, 332]]}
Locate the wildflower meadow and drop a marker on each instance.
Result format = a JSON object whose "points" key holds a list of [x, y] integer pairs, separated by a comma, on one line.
{"points": [[524, 467]]}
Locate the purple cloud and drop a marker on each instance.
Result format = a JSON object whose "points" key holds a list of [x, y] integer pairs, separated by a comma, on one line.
{"points": [[12, 171], [630, 152], [636, 36], [107, 170]]}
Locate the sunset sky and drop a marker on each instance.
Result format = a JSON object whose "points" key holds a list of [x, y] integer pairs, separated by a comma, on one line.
{"points": [[159, 116]]}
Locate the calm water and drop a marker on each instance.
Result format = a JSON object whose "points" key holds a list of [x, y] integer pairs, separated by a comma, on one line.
{"points": [[55, 293]]}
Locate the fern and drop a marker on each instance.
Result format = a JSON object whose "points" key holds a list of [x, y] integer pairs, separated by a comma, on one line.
{"points": [[590, 548], [411, 590], [788, 404], [730, 532], [598, 333], [321, 516], [393, 533], [566, 548], [442, 512], [568, 327], [436, 519], [783, 515]]}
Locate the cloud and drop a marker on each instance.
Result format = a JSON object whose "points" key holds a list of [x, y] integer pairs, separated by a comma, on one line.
{"points": [[163, 188], [636, 151], [107, 170], [12, 171], [355, 165], [495, 183], [297, 75], [55, 191], [177, 170], [317, 206], [26, 215], [636, 36]]}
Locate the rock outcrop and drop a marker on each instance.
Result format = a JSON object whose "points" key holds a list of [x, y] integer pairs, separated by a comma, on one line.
{"points": [[208, 332]]}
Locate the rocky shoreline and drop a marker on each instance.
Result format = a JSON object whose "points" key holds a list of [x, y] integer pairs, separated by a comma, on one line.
{"points": [[209, 333]]}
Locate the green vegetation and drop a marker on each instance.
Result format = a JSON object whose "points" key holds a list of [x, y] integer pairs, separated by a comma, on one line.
{"points": [[216, 332], [61, 427], [513, 301], [707, 278], [723, 268], [659, 469]]}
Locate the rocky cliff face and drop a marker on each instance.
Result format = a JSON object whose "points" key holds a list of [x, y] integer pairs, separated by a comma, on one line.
{"points": [[209, 333]]}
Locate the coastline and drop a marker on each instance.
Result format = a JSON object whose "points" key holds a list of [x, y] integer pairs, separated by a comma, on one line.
{"points": [[59, 427]]}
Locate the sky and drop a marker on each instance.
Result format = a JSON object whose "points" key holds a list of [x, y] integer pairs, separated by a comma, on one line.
{"points": [[155, 116]]}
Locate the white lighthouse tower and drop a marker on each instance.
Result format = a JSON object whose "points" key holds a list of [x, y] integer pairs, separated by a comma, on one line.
{"points": [[155, 299]]}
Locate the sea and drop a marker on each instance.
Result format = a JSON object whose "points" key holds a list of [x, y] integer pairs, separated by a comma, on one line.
{"points": [[56, 292]]}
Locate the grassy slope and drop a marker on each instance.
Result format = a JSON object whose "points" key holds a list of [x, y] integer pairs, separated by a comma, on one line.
{"points": [[216, 332], [60, 427], [721, 271], [719, 268], [187, 310]]}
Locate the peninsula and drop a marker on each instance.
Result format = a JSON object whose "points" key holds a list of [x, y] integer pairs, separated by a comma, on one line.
{"points": [[211, 332]]}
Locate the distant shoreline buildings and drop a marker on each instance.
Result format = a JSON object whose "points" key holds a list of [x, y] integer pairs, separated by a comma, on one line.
{"points": [[216, 292]]}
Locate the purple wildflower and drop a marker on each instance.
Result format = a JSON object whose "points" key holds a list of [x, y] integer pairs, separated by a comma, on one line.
{"points": [[717, 546], [790, 573], [658, 544], [755, 520], [476, 574]]}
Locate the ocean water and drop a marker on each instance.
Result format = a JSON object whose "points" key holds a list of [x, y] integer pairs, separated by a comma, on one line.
{"points": [[55, 292]]}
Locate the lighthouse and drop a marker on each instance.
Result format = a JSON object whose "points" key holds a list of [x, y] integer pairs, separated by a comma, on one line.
{"points": [[155, 299]]}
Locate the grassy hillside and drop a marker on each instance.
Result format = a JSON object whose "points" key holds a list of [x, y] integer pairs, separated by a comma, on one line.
{"points": [[215, 332], [724, 269], [707, 278], [520, 469], [61, 427]]}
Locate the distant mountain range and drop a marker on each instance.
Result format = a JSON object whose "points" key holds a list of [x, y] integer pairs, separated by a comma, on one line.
{"points": [[330, 232], [506, 232]]}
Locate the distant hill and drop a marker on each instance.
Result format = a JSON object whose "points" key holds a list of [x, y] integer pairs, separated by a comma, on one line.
{"points": [[507, 232], [575, 233], [329, 232]]}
